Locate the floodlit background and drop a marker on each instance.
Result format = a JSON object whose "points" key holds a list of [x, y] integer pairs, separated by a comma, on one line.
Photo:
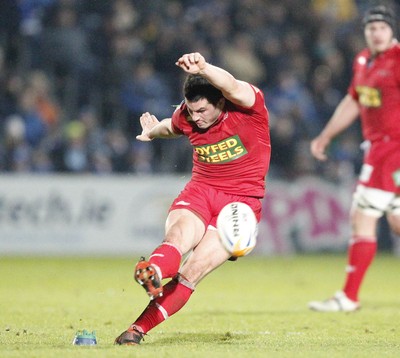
{"points": [[75, 76]]}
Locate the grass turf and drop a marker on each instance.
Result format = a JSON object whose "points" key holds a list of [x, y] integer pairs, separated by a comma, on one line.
{"points": [[255, 307]]}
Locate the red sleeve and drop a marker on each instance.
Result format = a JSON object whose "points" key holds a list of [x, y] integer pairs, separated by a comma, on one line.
{"points": [[175, 120], [397, 68], [259, 102]]}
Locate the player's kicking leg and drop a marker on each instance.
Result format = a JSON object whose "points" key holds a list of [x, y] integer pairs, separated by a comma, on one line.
{"points": [[207, 256], [147, 276]]}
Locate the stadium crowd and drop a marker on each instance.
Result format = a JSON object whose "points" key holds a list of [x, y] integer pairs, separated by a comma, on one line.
{"points": [[75, 76]]}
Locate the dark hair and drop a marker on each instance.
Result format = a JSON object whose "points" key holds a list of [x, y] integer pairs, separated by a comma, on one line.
{"points": [[380, 13], [196, 87]]}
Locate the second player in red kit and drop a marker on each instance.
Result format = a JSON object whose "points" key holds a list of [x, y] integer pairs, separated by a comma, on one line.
{"points": [[374, 97]]}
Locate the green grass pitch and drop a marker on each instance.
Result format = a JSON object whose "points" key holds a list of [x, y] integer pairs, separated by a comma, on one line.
{"points": [[255, 307]]}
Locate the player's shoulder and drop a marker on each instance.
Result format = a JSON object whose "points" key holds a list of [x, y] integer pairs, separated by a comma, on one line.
{"points": [[256, 90], [361, 58], [180, 109], [259, 96], [181, 115], [396, 50]]}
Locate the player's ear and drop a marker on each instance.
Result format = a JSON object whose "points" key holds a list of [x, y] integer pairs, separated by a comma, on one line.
{"points": [[221, 103]]}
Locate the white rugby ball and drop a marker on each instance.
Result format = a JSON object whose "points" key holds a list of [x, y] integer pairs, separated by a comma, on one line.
{"points": [[237, 228]]}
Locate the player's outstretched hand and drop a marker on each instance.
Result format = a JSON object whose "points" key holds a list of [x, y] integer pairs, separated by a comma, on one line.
{"points": [[318, 147], [148, 122], [191, 62]]}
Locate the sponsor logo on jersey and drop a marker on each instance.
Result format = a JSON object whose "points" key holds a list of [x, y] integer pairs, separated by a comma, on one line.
{"points": [[184, 203], [369, 96], [222, 152]]}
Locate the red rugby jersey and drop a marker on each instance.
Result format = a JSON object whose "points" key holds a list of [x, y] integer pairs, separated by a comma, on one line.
{"points": [[376, 87], [233, 154]]}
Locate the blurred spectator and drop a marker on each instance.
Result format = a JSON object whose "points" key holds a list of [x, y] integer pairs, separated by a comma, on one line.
{"points": [[76, 151], [10, 18], [292, 98], [239, 56], [142, 158], [338, 11], [7, 101], [325, 95], [283, 135], [145, 89], [17, 150], [41, 161], [119, 149], [45, 101], [34, 122], [68, 57]]}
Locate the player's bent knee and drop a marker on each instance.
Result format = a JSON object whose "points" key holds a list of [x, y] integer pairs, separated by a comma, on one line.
{"points": [[184, 281], [371, 201]]}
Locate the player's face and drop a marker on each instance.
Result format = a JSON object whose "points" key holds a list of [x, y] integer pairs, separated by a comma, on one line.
{"points": [[203, 113], [379, 36]]}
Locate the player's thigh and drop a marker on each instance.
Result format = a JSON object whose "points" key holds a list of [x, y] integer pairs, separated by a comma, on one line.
{"points": [[184, 229], [206, 257], [369, 205], [393, 215], [394, 222]]}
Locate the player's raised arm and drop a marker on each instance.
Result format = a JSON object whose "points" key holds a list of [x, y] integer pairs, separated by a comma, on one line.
{"points": [[345, 114], [238, 92]]}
